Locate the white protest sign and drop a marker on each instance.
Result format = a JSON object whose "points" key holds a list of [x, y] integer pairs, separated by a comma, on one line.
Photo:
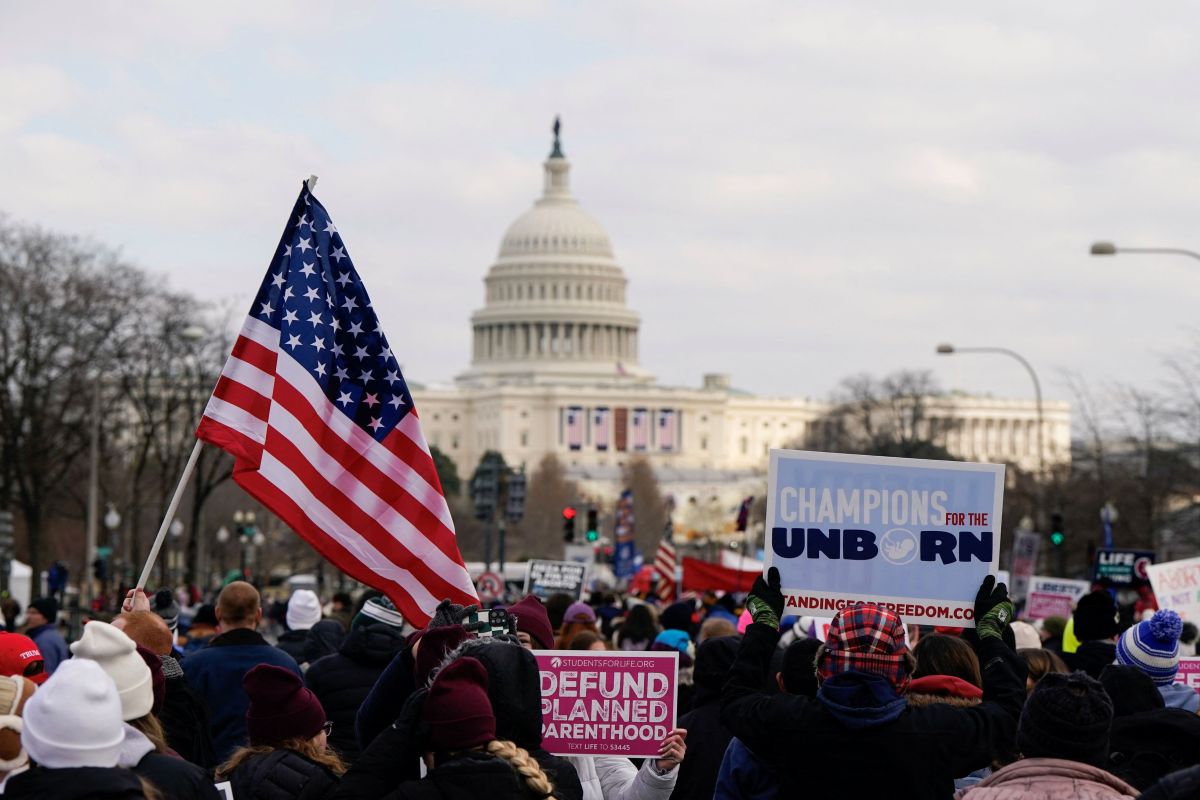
{"points": [[912, 535], [1176, 585], [1053, 597], [544, 578]]}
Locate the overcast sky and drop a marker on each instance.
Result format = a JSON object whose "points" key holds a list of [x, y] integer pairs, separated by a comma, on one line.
{"points": [[797, 191]]}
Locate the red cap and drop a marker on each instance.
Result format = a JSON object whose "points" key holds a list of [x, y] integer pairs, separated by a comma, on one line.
{"points": [[20, 656], [457, 707]]}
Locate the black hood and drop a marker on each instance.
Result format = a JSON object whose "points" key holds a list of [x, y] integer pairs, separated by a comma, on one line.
{"points": [[323, 639], [76, 783], [714, 659], [373, 644], [514, 687]]}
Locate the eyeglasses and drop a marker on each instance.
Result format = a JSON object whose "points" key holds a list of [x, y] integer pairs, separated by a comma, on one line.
{"points": [[328, 728]]}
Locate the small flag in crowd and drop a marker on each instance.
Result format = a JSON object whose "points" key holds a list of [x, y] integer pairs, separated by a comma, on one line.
{"points": [[313, 408], [665, 560]]}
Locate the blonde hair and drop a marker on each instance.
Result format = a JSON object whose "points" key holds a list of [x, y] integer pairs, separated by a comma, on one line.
{"points": [[526, 767], [152, 729], [305, 747]]}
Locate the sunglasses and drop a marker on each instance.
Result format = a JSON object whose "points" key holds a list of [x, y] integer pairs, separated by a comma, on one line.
{"points": [[34, 668], [328, 728]]}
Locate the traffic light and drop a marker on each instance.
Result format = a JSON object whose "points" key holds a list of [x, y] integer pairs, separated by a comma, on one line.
{"points": [[484, 488], [1057, 537], [514, 506], [593, 526], [568, 524], [100, 569]]}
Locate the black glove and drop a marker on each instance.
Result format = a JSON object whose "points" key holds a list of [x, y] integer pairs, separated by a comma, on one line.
{"points": [[989, 595], [993, 609], [448, 613], [766, 600]]}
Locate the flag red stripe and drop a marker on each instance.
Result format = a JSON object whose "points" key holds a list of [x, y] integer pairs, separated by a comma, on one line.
{"points": [[243, 397], [232, 441], [254, 353], [411, 453]]}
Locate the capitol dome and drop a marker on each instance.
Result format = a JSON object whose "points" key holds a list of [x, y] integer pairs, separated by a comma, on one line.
{"points": [[554, 300]]}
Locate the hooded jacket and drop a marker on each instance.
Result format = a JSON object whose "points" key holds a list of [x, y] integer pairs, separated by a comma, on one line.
{"points": [[616, 778], [292, 643], [470, 776], [78, 783], [1148, 745], [343, 680], [1179, 695], [860, 735], [1049, 779], [282, 775], [1091, 657], [171, 775], [323, 639]]}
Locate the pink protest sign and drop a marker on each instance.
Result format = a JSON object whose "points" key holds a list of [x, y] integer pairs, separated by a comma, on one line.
{"points": [[1042, 605], [607, 704], [1189, 672]]}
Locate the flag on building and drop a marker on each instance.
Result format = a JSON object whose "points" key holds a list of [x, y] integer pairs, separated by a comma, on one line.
{"points": [[625, 550], [573, 421], [640, 422], [601, 428], [313, 408], [668, 423]]}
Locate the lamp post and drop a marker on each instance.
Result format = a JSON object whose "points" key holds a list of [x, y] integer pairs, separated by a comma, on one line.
{"points": [[248, 535], [222, 540], [1110, 249]]}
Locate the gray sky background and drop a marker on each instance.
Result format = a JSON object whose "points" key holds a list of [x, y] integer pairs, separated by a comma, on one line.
{"points": [[798, 192]]}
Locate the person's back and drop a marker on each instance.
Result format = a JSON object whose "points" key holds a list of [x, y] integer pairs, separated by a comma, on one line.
{"points": [[468, 776], [42, 619], [282, 775], [215, 673]]}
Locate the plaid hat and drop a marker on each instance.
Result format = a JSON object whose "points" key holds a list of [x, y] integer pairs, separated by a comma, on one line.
{"points": [[866, 638], [1153, 646], [1066, 716]]}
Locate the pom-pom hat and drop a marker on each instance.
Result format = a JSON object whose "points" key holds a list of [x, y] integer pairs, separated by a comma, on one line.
{"points": [[1153, 646]]}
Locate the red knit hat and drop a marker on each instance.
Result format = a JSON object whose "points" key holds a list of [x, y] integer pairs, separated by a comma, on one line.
{"points": [[20, 656], [435, 645], [281, 708], [866, 638], [457, 707], [532, 618]]}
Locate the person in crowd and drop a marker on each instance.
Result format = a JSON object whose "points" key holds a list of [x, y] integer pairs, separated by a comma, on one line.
{"points": [[679, 616], [288, 756], [1063, 739], [323, 639], [1148, 740], [72, 731], [579, 617], [588, 641], [10, 609], [341, 608], [303, 611], [215, 673], [167, 607], [145, 749], [15, 692], [947, 672], [679, 641], [715, 629], [556, 607], [741, 774], [1025, 635], [817, 746], [183, 716], [343, 680], [19, 655], [41, 625], [1153, 647], [1187, 639], [1096, 627], [638, 630], [1181, 785], [1052, 631], [204, 628], [535, 629], [1038, 662], [608, 611]]}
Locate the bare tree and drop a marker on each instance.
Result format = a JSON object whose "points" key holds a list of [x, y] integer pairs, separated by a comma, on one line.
{"points": [[649, 506], [540, 534]]}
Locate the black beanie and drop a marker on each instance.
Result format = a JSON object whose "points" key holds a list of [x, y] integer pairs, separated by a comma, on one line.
{"points": [[714, 659], [1068, 717], [1096, 617], [1131, 690]]}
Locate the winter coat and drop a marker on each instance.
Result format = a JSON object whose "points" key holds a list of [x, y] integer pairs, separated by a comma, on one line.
{"points": [[323, 639], [171, 775], [185, 719], [616, 778], [1180, 695], [77, 783], [51, 644], [707, 738], [282, 775], [1181, 785], [1146, 746], [343, 680], [292, 643], [215, 675], [1049, 779], [744, 776], [859, 735], [1091, 657], [386, 699], [953, 692], [469, 776]]}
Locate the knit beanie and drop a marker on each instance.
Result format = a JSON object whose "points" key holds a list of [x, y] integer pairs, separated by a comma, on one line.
{"points": [[15, 692], [866, 638], [457, 708], [678, 642], [1096, 617], [281, 707], [165, 606], [579, 612], [1153, 646], [20, 656], [205, 615], [117, 655], [158, 680], [378, 609], [1130, 690], [533, 619], [303, 610], [47, 607], [1025, 635], [677, 616], [435, 644], [1066, 716], [74, 719]]}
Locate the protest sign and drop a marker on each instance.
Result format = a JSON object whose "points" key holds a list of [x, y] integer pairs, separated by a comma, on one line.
{"points": [[1189, 672], [607, 703], [1177, 586], [913, 535], [1024, 562], [544, 578], [1053, 597], [1123, 568]]}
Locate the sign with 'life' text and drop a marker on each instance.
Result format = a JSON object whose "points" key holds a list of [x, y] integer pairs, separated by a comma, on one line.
{"points": [[598, 703], [1176, 586], [912, 535]]}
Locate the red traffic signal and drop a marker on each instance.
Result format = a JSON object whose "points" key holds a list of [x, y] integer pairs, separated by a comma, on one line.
{"points": [[569, 512]]}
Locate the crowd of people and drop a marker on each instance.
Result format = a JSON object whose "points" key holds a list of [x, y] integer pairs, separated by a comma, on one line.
{"points": [[349, 700]]}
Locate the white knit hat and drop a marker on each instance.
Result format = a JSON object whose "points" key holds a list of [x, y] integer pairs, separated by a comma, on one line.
{"points": [[74, 718], [117, 655], [1026, 635], [303, 610]]}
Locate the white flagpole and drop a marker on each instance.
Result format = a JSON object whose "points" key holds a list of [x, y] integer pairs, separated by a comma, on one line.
{"points": [[166, 523]]}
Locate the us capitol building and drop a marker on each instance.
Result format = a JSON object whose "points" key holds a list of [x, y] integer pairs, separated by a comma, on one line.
{"points": [[555, 369]]}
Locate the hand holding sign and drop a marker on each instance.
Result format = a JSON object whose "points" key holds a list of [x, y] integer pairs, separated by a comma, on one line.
{"points": [[766, 600], [993, 609], [673, 750]]}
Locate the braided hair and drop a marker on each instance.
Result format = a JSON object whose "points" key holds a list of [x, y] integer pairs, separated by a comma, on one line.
{"points": [[520, 760]]}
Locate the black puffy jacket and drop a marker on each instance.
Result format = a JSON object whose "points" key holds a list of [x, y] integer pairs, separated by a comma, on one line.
{"points": [[177, 778], [292, 643], [282, 775], [469, 776], [77, 783], [343, 680]]}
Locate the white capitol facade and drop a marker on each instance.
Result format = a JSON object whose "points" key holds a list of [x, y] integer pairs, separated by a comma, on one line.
{"points": [[555, 369]]}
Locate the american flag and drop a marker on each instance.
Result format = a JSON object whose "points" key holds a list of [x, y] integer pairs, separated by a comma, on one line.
{"points": [[664, 565], [601, 426], [574, 421], [666, 429], [641, 428], [313, 408]]}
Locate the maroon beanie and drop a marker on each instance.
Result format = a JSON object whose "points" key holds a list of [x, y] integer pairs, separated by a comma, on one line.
{"points": [[436, 644], [281, 708], [158, 682], [457, 707], [533, 619]]}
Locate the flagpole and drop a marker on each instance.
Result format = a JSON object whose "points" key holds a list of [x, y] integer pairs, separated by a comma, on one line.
{"points": [[174, 505]]}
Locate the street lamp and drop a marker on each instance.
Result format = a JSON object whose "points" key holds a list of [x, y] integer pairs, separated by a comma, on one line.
{"points": [[1110, 249]]}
